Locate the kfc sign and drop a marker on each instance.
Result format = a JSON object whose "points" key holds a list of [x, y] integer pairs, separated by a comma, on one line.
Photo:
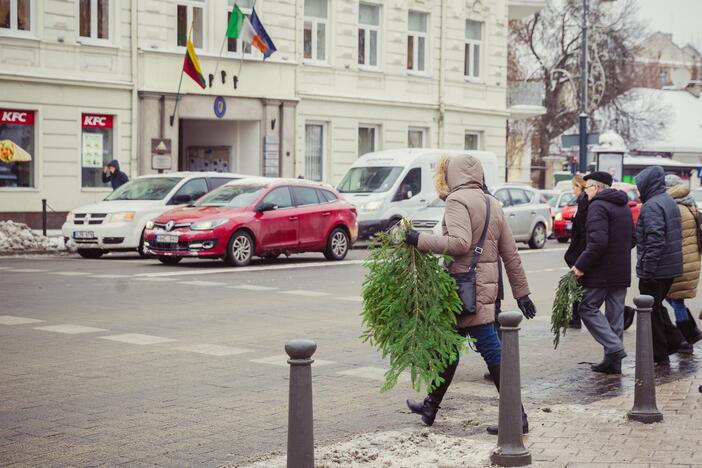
{"points": [[97, 121], [16, 117]]}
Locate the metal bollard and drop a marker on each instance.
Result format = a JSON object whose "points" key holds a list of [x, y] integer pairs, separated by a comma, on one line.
{"points": [[300, 426], [43, 216], [644, 409], [510, 450]]}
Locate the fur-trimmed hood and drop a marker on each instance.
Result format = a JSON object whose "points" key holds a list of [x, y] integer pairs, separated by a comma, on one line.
{"points": [[458, 172]]}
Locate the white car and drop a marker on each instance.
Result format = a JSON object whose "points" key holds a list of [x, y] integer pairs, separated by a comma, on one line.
{"points": [[528, 218], [697, 195], [117, 223]]}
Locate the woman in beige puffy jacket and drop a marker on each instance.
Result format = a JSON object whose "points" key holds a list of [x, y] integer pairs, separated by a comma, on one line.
{"points": [[459, 181], [685, 286]]}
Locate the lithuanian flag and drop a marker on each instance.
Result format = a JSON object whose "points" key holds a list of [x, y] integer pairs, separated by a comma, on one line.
{"points": [[191, 65]]}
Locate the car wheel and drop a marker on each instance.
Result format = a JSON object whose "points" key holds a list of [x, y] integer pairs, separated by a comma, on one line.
{"points": [[140, 249], [337, 245], [538, 237], [563, 240], [91, 253], [240, 249], [170, 260]]}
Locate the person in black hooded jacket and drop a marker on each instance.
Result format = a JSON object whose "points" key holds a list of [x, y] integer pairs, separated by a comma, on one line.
{"points": [[113, 174], [578, 237], [659, 258], [604, 268]]}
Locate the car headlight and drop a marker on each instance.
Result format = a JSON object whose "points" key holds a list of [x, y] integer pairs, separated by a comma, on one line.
{"points": [[208, 224], [149, 225], [71, 217], [559, 216], [372, 206], [123, 216]]}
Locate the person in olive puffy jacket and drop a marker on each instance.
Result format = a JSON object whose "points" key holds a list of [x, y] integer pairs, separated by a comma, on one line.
{"points": [[659, 258]]}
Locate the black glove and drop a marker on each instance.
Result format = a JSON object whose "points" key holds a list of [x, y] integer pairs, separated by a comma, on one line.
{"points": [[412, 237], [527, 307]]}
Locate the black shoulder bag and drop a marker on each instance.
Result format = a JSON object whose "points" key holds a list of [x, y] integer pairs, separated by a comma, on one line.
{"points": [[466, 281]]}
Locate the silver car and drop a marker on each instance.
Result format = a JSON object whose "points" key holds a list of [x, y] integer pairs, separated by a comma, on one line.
{"points": [[528, 218]]}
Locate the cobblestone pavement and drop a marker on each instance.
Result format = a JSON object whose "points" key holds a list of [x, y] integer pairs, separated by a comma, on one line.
{"points": [[126, 361]]}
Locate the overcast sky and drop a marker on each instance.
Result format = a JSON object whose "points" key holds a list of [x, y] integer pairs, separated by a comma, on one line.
{"points": [[683, 18]]}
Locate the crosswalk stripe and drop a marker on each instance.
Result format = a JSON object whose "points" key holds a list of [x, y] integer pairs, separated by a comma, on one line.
{"points": [[137, 339], [351, 299], [201, 283], [252, 287], [12, 320], [27, 270], [214, 350], [70, 329], [300, 292], [69, 273], [111, 276]]}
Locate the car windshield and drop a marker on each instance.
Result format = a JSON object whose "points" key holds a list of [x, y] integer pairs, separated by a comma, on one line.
{"points": [[697, 195], [369, 179], [147, 188], [565, 199], [438, 203], [232, 196]]}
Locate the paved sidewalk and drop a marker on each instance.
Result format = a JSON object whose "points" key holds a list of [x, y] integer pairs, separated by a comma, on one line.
{"points": [[594, 435]]}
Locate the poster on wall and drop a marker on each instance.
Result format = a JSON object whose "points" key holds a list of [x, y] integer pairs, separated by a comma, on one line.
{"points": [[612, 163], [92, 149]]}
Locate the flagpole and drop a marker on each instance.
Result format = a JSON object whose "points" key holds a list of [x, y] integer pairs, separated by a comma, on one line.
{"points": [[221, 49], [180, 82], [241, 60]]}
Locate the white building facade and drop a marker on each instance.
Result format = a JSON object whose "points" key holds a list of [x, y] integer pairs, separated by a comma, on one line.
{"points": [[96, 80]]}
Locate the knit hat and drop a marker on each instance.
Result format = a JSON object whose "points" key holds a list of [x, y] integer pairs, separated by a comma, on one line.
{"points": [[671, 180], [600, 176]]}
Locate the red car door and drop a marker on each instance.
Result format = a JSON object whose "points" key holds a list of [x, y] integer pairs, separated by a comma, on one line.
{"points": [[313, 216], [278, 228]]}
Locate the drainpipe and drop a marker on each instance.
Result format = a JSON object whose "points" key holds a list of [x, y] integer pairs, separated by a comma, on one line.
{"points": [[442, 73], [134, 158]]}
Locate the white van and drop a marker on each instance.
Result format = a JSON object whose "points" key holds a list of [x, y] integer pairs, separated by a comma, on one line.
{"points": [[117, 223], [386, 186]]}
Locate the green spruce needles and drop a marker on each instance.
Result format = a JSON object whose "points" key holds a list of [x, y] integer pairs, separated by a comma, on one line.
{"points": [[410, 305], [568, 293]]}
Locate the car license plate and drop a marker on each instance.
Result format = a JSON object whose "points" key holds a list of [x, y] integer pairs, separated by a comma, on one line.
{"points": [[569, 226], [167, 239], [83, 235]]}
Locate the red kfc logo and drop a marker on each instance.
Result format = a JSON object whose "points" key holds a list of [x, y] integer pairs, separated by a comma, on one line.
{"points": [[16, 117], [97, 121]]}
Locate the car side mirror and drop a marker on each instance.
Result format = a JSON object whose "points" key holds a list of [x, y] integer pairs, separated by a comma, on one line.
{"points": [[409, 194], [181, 199], [266, 206]]}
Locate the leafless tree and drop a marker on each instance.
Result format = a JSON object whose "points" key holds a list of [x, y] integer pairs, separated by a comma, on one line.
{"points": [[546, 47]]}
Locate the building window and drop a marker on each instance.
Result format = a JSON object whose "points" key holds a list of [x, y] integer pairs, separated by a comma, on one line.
{"points": [[17, 148], [472, 141], [97, 147], [94, 19], [191, 13], [416, 137], [417, 41], [473, 43], [315, 31], [16, 16], [234, 45], [314, 151], [368, 35], [367, 139]]}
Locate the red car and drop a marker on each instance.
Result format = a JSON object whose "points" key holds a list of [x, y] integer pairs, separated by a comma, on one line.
{"points": [[262, 217], [563, 223]]}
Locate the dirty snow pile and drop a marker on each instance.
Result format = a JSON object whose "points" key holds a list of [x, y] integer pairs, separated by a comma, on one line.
{"points": [[398, 449], [19, 237]]}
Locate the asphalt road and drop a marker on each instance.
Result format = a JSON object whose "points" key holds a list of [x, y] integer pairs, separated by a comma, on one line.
{"points": [[125, 360]]}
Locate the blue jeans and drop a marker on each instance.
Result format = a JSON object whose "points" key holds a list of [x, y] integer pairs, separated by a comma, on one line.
{"points": [[488, 345], [679, 309]]}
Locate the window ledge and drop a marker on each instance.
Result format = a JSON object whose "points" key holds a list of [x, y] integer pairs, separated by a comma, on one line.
{"points": [[20, 189], [310, 63], [470, 79], [369, 69], [102, 43], [5, 34]]}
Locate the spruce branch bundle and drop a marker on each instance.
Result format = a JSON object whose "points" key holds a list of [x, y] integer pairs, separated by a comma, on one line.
{"points": [[569, 292], [410, 303]]}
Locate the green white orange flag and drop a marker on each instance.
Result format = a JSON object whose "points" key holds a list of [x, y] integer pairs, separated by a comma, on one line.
{"points": [[250, 30], [191, 65]]}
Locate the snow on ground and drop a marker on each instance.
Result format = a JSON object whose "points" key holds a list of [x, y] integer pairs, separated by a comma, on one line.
{"points": [[18, 237]]}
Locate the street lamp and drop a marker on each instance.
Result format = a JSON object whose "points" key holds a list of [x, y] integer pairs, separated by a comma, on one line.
{"points": [[583, 84]]}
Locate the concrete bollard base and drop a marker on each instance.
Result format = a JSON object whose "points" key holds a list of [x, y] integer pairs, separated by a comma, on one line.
{"points": [[498, 457], [645, 417]]}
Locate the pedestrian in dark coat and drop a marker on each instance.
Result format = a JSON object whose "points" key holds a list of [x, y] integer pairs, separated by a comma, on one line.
{"points": [[659, 258], [604, 268], [578, 237], [113, 174]]}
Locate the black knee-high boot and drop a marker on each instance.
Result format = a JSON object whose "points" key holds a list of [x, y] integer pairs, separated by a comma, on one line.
{"points": [[428, 408], [495, 372], [575, 321]]}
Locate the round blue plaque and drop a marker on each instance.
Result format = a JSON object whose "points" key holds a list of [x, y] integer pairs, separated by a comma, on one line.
{"points": [[220, 107]]}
